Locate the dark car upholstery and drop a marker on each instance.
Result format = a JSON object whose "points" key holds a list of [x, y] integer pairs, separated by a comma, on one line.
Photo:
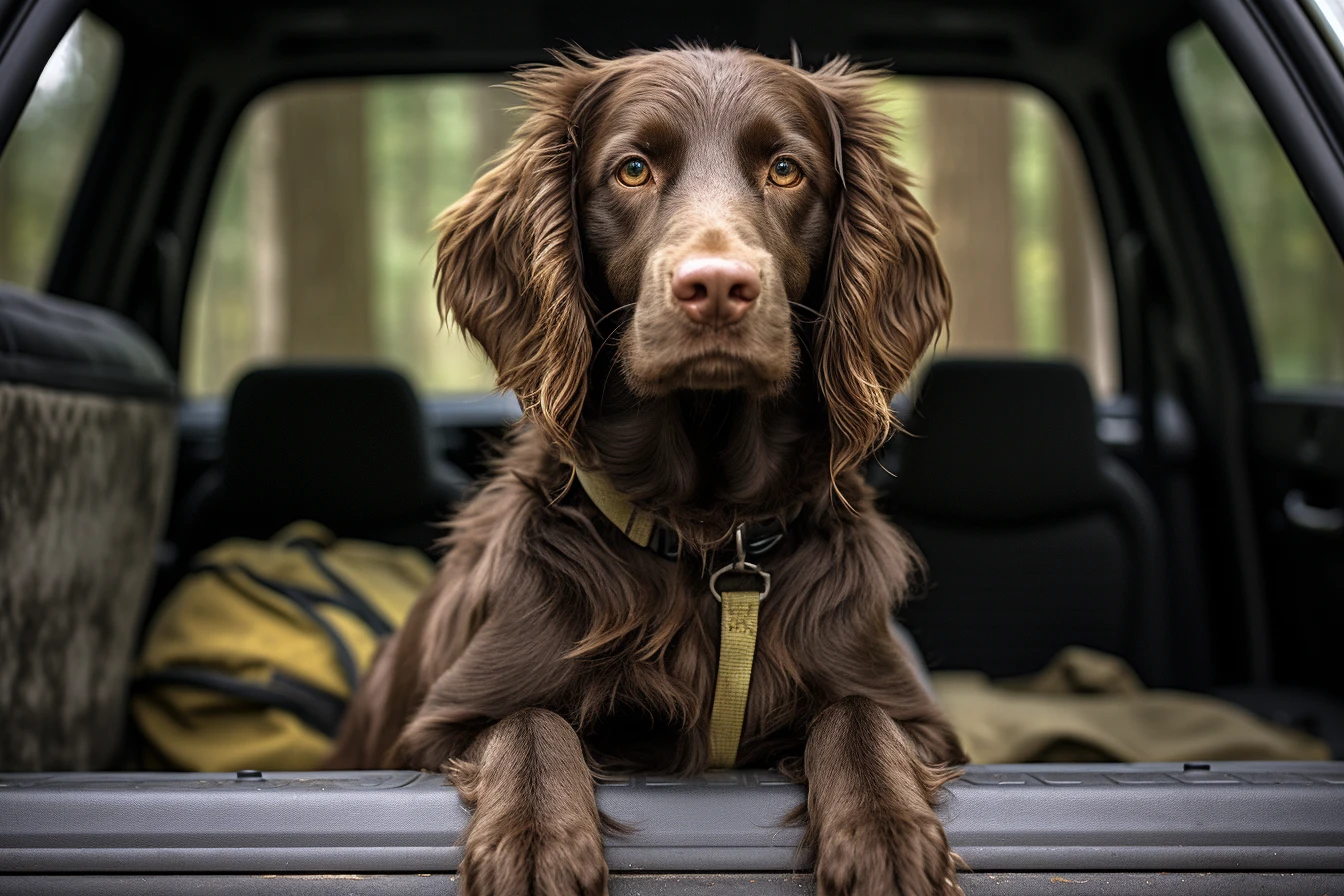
{"points": [[1035, 538], [345, 446]]}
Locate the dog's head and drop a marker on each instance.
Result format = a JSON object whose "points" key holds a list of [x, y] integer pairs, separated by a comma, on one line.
{"points": [[725, 219]]}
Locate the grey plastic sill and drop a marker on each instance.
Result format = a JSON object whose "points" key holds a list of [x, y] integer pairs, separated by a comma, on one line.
{"points": [[1014, 884], [1234, 817]]}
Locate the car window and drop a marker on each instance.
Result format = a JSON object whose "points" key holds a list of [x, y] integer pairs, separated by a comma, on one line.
{"points": [[41, 165], [1290, 270], [317, 242], [1001, 171]]}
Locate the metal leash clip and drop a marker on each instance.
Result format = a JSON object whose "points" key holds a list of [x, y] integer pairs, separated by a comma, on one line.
{"points": [[740, 565]]}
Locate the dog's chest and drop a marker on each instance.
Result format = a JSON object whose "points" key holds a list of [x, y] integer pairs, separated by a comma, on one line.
{"points": [[659, 702]]}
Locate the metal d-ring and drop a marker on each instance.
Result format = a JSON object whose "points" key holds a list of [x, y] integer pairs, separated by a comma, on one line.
{"points": [[740, 565]]}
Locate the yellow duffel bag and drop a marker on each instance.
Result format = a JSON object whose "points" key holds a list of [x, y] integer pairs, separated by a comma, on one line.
{"points": [[251, 660]]}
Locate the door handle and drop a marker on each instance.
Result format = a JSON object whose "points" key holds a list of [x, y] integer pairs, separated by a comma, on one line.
{"points": [[1309, 516]]}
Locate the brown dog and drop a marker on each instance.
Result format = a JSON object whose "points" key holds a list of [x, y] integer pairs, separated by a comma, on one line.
{"points": [[704, 278]]}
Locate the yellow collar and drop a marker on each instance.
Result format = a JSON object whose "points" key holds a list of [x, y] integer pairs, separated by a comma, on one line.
{"points": [[635, 523]]}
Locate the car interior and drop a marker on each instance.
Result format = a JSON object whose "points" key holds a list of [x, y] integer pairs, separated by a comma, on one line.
{"points": [[1135, 446]]}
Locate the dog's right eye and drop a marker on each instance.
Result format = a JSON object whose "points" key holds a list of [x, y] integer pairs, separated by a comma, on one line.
{"points": [[634, 172]]}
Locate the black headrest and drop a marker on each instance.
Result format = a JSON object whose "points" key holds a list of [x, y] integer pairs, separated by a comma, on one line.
{"points": [[62, 344], [336, 444], [998, 440]]}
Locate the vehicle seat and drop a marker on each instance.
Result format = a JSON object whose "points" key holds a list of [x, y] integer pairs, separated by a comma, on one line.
{"points": [[345, 446], [87, 435], [1035, 539]]}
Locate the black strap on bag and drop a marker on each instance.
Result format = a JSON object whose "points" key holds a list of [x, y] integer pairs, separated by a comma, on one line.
{"points": [[346, 596], [315, 707]]}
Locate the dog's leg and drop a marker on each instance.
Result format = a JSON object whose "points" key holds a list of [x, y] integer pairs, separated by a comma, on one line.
{"points": [[535, 825], [870, 807]]}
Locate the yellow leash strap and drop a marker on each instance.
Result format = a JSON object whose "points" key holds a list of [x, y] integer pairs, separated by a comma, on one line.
{"points": [[738, 618], [737, 650]]}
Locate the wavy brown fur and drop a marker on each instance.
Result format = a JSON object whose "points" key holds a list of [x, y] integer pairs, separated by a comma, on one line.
{"points": [[889, 296], [551, 648]]}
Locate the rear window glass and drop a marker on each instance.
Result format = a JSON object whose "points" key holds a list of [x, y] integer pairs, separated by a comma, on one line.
{"points": [[317, 242], [41, 165], [1290, 270], [1000, 170]]}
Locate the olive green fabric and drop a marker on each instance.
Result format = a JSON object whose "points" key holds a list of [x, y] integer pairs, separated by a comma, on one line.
{"points": [[635, 523], [739, 618], [1088, 706], [251, 659]]}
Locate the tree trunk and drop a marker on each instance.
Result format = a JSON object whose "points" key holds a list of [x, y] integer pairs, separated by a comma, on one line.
{"points": [[268, 250], [310, 218], [970, 197], [412, 298], [1084, 300]]}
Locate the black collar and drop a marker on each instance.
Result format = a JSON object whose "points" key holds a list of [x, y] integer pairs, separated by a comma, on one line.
{"points": [[758, 539], [645, 530]]}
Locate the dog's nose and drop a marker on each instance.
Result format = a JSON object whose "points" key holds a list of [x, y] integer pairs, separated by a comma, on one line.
{"points": [[715, 291]]}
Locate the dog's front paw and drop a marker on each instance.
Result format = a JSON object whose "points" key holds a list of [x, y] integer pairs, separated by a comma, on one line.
{"points": [[540, 862], [874, 856]]}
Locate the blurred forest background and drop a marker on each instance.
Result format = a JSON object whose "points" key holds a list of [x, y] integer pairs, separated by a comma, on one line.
{"points": [[317, 242]]}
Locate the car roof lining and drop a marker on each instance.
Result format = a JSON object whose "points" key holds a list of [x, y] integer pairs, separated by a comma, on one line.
{"points": [[966, 36]]}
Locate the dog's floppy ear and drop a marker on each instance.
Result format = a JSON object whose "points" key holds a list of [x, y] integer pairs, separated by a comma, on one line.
{"points": [[509, 266], [887, 294]]}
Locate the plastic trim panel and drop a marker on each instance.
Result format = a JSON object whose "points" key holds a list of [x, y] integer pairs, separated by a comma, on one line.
{"points": [[1152, 817], [1108, 883]]}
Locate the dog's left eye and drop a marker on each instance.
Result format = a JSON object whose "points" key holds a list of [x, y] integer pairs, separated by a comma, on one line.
{"points": [[785, 172]]}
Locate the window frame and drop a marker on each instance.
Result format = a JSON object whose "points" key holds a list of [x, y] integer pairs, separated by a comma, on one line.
{"points": [[1210, 229], [1298, 87], [1248, 342], [77, 206], [25, 48]]}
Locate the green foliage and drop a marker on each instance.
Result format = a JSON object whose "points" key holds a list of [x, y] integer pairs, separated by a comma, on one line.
{"points": [[1290, 269], [219, 323], [1040, 288], [41, 164], [426, 139]]}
